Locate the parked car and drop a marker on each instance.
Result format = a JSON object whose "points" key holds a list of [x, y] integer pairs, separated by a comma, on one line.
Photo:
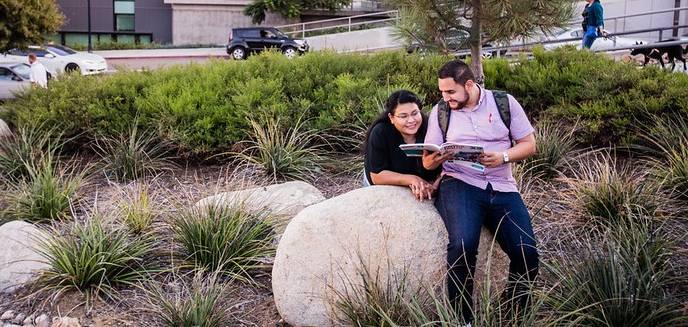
{"points": [[14, 77], [59, 59], [456, 40], [601, 43], [250, 40]]}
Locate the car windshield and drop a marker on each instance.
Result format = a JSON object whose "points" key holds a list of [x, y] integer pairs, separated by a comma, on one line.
{"points": [[278, 33], [22, 70], [60, 50]]}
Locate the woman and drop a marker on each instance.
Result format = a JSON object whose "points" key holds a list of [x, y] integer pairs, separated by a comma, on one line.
{"points": [[593, 22], [385, 164]]}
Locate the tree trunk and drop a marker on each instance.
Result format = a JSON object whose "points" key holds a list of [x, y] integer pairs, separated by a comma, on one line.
{"points": [[475, 41]]}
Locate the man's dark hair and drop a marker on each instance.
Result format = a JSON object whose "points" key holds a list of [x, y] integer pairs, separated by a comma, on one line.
{"points": [[458, 71]]}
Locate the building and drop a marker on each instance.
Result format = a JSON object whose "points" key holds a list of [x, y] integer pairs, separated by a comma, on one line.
{"points": [[121, 21]]}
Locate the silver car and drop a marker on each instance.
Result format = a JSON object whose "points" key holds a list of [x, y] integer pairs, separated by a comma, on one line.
{"points": [[14, 77]]}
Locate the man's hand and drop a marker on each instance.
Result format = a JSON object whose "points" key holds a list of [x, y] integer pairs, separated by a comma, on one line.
{"points": [[491, 159], [434, 159]]}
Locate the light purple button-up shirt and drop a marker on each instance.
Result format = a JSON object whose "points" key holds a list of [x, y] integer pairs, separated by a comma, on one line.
{"points": [[482, 126]]}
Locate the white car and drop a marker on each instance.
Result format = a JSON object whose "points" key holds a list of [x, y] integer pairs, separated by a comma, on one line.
{"points": [[60, 59], [14, 77], [601, 43]]}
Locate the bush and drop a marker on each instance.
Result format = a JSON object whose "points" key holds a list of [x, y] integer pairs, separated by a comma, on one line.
{"points": [[199, 304], [23, 151], [225, 239], [133, 155], [609, 192], [284, 153], [555, 147], [93, 259], [204, 109], [46, 194], [137, 210], [623, 285]]}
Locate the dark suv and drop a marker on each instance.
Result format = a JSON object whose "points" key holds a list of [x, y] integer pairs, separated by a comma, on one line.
{"points": [[245, 41]]}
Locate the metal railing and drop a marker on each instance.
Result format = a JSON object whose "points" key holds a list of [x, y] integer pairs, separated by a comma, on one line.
{"points": [[348, 23], [524, 46]]}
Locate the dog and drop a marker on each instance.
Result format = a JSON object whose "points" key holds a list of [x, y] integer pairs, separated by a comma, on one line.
{"points": [[673, 52]]}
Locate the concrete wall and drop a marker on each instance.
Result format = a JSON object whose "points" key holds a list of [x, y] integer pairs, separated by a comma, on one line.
{"points": [[209, 22], [356, 40]]}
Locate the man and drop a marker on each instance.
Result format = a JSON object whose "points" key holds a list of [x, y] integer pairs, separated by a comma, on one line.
{"points": [[469, 199], [593, 22], [38, 74]]}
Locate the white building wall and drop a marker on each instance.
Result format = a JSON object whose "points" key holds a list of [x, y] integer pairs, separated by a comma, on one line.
{"points": [[614, 8]]}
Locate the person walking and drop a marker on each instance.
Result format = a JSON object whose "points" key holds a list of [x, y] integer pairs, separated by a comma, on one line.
{"points": [[38, 75], [593, 22]]}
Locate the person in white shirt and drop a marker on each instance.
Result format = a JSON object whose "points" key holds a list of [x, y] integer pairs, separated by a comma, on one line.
{"points": [[38, 74]]}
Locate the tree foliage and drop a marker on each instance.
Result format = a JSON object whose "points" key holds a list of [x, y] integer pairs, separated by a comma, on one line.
{"points": [[24, 22], [482, 21], [289, 8]]}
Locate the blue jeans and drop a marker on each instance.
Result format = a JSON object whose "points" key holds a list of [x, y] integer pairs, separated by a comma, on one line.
{"points": [[589, 37], [465, 209]]}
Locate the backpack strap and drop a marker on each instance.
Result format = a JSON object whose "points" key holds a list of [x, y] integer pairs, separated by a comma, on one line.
{"points": [[443, 115], [502, 101]]}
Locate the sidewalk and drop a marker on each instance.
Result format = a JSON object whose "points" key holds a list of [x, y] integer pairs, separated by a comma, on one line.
{"points": [[163, 53]]}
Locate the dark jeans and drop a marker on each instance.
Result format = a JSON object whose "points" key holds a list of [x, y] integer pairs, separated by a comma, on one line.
{"points": [[465, 209], [589, 36]]}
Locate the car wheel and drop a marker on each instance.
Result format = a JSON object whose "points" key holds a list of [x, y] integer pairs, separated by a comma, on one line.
{"points": [[70, 68], [290, 52], [238, 53]]}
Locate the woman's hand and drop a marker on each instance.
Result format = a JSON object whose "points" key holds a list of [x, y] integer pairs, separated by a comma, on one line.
{"points": [[420, 188], [435, 159]]}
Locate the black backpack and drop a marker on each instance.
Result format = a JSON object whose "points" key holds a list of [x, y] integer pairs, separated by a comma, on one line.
{"points": [[502, 101]]}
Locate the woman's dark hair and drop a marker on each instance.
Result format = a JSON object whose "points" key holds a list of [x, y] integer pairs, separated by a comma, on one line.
{"points": [[395, 99]]}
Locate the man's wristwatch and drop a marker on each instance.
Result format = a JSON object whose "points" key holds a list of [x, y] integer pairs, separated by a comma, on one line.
{"points": [[505, 157]]}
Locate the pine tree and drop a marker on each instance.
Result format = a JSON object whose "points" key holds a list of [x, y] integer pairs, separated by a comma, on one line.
{"points": [[483, 21]]}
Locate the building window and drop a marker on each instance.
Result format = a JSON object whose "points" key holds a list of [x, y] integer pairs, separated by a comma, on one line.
{"points": [[124, 15]]}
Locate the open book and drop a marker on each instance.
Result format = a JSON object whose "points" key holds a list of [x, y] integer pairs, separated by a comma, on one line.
{"points": [[464, 154]]}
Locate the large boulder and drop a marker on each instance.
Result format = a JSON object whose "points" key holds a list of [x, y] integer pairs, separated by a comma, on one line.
{"points": [[4, 129], [383, 229], [284, 201], [19, 260]]}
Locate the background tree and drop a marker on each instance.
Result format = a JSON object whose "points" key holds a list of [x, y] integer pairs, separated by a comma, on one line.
{"points": [[429, 21], [289, 8], [25, 22]]}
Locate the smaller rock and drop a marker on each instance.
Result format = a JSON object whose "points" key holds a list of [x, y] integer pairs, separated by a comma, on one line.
{"points": [[42, 321], [8, 315], [19, 319], [29, 320], [11, 325]]}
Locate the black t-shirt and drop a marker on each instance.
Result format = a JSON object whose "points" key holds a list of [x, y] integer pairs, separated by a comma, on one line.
{"points": [[383, 153]]}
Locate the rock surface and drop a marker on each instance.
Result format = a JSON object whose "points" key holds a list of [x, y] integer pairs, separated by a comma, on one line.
{"points": [[4, 129], [19, 260], [283, 200], [382, 228]]}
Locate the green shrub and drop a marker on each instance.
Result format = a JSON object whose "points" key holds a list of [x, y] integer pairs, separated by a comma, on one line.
{"points": [[198, 304], [609, 192], [555, 147], [137, 210], [24, 151], [204, 109], [226, 239], [284, 153], [93, 259], [625, 284], [46, 194], [133, 155]]}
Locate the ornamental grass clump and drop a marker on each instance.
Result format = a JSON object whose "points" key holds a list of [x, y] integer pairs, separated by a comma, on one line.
{"points": [[25, 151], [555, 147], [136, 209]]}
